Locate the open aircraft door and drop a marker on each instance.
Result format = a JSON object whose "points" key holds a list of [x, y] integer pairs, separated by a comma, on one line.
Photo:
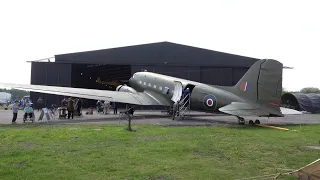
{"points": [[177, 92]]}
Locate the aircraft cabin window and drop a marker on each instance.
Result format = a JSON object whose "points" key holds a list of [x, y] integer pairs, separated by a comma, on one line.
{"points": [[144, 83], [140, 82], [149, 84], [160, 88], [166, 90], [155, 86]]}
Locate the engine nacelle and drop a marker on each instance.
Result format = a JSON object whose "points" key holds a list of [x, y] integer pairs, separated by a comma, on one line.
{"points": [[125, 88]]}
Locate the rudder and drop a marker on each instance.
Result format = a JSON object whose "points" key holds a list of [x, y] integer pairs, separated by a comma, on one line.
{"points": [[262, 83]]}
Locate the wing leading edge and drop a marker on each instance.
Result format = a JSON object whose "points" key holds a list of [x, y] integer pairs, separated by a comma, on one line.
{"points": [[116, 96]]}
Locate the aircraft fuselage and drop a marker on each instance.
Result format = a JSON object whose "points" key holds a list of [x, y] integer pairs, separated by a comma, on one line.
{"points": [[203, 97]]}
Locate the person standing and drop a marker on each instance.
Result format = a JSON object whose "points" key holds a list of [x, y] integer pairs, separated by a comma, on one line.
{"points": [[40, 103], [70, 108], [115, 108], [79, 106], [186, 96], [15, 109]]}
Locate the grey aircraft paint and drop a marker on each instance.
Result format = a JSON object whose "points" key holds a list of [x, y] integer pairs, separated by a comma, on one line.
{"points": [[261, 87]]}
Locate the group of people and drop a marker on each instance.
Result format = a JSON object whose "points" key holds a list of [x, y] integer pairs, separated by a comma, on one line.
{"points": [[72, 105], [104, 106], [24, 101], [26, 104], [28, 111]]}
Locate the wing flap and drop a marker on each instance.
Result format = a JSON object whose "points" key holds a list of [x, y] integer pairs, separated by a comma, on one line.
{"points": [[116, 96]]}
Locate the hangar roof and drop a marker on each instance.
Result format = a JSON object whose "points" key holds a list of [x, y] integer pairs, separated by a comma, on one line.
{"points": [[157, 54]]}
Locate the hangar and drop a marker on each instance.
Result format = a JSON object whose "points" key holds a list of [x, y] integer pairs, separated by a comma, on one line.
{"points": [[83, 69], [302, 102]]}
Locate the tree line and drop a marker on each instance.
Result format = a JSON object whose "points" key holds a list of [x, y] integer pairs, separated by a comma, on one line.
{"points": [[15, 93], [305, 90]]}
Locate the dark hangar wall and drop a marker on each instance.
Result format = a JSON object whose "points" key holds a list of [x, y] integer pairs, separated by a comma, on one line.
{"points": [[172, 59], [52, 74], [163, 53]]}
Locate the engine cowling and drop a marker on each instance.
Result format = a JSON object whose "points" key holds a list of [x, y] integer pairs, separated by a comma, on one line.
{"points": [[125, 88]]}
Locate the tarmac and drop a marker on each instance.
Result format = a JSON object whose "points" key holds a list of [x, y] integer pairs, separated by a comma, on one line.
{"points": [[157, 117]]}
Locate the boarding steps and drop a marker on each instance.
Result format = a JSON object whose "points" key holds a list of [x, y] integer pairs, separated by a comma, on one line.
{"points": [[183, 107]]}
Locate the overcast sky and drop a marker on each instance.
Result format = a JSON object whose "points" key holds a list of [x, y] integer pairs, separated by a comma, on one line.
{"points": [[288, 31]]}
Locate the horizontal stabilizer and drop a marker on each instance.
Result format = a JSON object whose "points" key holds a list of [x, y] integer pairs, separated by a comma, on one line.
{"points": [[287, 111], [243, 109]]}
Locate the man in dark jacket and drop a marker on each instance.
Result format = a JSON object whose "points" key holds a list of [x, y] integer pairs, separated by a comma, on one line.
{"points": [[70, 107], [115, 108], [79, 106], [40, 103]]}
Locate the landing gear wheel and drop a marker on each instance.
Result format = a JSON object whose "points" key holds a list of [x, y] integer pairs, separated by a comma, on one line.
{"points": [[251, 122], [241, 121], [257, 121]]}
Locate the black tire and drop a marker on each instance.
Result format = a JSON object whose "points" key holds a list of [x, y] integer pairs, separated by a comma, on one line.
{"points": [[251, 122], [257, 121], [241, 120]]}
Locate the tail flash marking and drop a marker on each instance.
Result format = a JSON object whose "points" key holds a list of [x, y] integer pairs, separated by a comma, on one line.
{"points": [[243, 86], [273, 104]]}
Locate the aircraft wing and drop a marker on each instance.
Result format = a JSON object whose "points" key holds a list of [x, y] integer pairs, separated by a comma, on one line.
{"points": [[243, 109], [116, 96]]}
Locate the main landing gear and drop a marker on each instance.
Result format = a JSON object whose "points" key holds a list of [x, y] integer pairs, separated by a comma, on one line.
{"points": [[241, 121]]}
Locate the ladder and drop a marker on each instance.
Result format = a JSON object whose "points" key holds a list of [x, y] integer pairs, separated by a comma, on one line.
{"points": [[184, 107]]}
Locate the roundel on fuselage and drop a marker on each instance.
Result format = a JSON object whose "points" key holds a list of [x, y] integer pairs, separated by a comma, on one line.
{"points": [[210, 102]]}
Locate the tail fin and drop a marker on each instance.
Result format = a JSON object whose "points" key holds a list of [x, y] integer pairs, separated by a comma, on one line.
{"points": [[262, 83]]}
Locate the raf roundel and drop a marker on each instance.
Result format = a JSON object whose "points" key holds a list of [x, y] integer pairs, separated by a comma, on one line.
{"points": [[210, 102]]}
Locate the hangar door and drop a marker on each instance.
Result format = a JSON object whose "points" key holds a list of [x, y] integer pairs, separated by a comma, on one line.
{"points": [[216, 76]]}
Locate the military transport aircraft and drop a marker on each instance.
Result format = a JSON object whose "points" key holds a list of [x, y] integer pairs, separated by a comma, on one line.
{"points": [[258, 93]]}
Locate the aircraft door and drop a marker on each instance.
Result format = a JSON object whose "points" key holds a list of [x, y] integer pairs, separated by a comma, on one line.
{"points": [[177, 92]]}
